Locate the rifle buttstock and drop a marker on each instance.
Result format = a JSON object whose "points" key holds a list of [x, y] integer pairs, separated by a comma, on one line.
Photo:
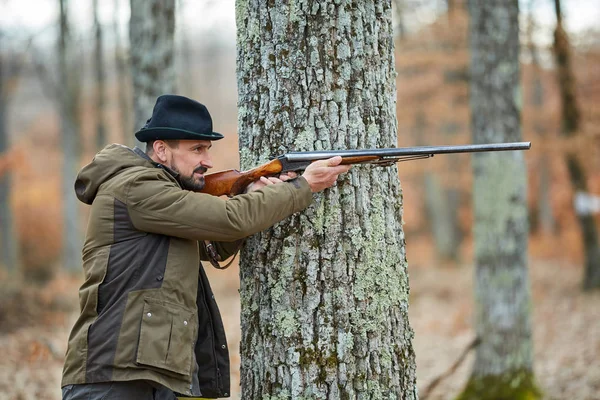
{"points": [[232, 182]]}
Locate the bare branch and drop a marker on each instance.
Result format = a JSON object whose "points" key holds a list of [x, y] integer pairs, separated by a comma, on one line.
{"points": [[429, 388]]}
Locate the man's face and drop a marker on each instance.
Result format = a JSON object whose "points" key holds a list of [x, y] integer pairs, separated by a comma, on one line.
{"points": [[191, 159]]}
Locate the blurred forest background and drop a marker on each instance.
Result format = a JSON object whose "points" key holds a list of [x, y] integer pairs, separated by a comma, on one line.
{"points": [[38, 286]]}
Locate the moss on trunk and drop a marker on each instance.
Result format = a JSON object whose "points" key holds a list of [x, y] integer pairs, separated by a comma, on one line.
{"points": [[512, 385]]}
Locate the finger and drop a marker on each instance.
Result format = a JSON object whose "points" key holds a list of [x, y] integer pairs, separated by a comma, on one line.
{"points": [[333, 161], [288, 175], [265, 180], [275, 180], [322, 163], [340, 169]]}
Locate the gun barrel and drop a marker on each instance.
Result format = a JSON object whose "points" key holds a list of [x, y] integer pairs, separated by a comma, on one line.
{"points": [[406, 151]]}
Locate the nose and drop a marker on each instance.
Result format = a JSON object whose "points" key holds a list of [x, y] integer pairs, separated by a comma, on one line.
{"points": [[207, 162]]}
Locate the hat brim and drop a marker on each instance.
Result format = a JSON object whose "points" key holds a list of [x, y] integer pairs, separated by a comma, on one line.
{"points": [[158, 133]]}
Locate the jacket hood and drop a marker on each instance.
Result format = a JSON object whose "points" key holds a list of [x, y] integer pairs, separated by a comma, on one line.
{"points": [[109, 162]]}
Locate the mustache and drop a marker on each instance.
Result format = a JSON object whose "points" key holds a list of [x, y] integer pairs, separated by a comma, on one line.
{"points": [[201, 170]]}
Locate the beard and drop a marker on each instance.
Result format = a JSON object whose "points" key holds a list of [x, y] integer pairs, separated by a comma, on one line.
{"points": [[192, 182]]}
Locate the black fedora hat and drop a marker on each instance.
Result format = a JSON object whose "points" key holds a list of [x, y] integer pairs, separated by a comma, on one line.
{"points": [[177, 117]]}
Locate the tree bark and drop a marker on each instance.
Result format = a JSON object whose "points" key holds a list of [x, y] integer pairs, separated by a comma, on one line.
{"points": [[325, 292], [70, 142], [571, 120], [151, 30], [503, 365]]}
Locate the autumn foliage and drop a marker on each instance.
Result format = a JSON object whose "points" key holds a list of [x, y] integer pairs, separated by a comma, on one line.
{"points": [[433, 108]]}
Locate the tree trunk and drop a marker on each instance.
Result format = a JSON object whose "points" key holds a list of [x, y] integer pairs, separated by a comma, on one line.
{"points": [[8, 238], [571, 119], [503, 366], [325, 292], [442, 208], [124, 81], [70, 143], [151, 30], [399, 7], [100, 71], [186, 70], [543, 218]]}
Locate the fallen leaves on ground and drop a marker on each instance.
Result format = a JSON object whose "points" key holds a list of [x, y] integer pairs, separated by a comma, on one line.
{"points": [[565, 323]]}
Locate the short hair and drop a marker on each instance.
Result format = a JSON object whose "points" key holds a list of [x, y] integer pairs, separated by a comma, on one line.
{"points": [[150, 147], [174, 143]]}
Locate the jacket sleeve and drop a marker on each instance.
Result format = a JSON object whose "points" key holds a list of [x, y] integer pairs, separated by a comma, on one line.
{"points": [[157, 204]]}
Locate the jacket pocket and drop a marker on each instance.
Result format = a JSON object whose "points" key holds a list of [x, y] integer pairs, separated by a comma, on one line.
{"points": [[166, 337]]}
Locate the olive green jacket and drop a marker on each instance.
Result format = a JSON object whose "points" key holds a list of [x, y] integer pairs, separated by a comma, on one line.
{"points": [[147, 310]]}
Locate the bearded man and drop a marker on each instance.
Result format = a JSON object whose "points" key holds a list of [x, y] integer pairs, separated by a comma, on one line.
{"points": [[149, 326]]}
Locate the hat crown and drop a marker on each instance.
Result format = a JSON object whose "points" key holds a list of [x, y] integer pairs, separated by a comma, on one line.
{"points": [[178, 112], [178, 117]]}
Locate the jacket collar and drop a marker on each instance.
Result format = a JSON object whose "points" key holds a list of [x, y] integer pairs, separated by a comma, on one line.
{"points": [[142, 154]]}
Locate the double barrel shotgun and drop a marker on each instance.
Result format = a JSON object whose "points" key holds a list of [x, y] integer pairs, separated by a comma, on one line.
{"points": [[232, 182]]}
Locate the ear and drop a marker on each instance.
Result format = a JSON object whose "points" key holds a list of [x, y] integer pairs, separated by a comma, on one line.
{"points": [[161, 151]]}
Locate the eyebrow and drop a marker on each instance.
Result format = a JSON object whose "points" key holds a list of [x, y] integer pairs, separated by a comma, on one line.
{"points": [[199, 146]]}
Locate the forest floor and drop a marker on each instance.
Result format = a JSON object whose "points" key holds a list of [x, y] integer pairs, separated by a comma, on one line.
{"points": [[565, 324]]}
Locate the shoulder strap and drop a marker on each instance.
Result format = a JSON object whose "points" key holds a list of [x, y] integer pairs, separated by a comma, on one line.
{"points": [[214, 257]]}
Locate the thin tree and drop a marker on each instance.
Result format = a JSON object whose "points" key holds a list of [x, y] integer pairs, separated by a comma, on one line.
{"points": [[399, 8], [68, 99], [503, 367], [151, 31], [571, 121], [324, 293], [544, 219], [122, 72], [8, 238], [100, 75], [442, 209], [185, 55]]}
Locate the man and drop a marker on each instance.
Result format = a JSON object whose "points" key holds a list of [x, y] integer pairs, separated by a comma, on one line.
{"points": [[149, 326]]}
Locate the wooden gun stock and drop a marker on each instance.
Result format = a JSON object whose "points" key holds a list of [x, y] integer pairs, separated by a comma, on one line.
{"points": [[232, 182]]}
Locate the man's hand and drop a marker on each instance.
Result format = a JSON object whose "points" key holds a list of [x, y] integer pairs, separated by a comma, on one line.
{"points": [[323, 174], [263, 181], [320, 175]]}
